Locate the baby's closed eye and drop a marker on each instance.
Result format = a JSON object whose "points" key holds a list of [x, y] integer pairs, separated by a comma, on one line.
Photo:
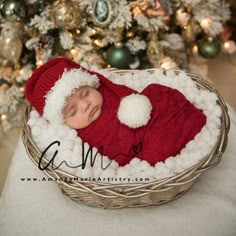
{"points": [[84, 93], [73, 111], [70, 112]]}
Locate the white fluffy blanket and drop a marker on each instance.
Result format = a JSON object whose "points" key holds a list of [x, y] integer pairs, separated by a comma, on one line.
{"points": [[71, 145]]}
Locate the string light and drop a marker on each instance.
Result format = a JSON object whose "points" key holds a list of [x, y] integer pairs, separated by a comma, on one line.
{"points": [[22, 89], [118, 44], [70, 34], [77, 31], [98, 42], [230, 47], [205, 23], [195, 50], [21, 72], [39, 63], [130, 34], [137, 10], [3, 117], [226, 45], [74, 52]]}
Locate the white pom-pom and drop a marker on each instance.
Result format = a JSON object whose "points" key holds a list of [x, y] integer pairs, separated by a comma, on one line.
{"points": [[36, 131], [31, 122], [134, 162], [122, 173], [34, 114], [72, 134], [144, 165], [135, 110]]}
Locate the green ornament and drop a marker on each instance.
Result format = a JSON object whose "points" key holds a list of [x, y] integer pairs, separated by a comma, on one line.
{"points": [[13, 10], [209, 48], [119, 57]]}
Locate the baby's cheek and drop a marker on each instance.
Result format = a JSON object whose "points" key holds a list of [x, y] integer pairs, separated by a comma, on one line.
{"points": [[68, 122], [72, 122]]}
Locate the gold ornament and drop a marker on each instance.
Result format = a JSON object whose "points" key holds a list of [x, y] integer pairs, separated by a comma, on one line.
{"points": [[189, 33], [11, 47], [182, 17], [144, 7], [152, 12], [39, 57], [9, 75], [154, 50], [65, 14], [119, 34]]}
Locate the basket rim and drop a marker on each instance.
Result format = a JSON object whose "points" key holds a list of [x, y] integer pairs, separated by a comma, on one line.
{"points": [[204, 164]]}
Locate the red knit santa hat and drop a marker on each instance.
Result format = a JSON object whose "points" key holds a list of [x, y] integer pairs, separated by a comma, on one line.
{"points": [[50, 85]]}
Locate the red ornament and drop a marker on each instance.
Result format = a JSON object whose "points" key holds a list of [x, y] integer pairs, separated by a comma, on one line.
{"points": [[226, 33]]}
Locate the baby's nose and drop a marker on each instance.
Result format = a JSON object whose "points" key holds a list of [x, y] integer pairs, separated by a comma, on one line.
{"points": [[85, 105]]}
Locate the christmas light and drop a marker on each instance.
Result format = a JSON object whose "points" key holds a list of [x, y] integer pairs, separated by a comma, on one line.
{"points": [[130, 34], [118, 44], [77, 31], [205, 23], [226, 45], [3, 117], [229, 47], [39, 63], [98, 42], [182, 17], [22, 89], [21, 72], [195, 50], [137, 10], [74, 52]]}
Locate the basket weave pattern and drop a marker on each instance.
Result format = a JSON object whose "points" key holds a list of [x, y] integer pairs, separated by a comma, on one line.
{"points": [[157, 192]]}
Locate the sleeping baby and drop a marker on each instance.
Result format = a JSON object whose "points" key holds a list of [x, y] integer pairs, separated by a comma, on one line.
{"points": [[120, 122]]}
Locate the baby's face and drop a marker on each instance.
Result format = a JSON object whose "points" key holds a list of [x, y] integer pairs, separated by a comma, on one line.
{"points": [[83, 107]]}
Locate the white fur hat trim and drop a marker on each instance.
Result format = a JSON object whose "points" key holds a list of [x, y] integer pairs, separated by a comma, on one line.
{"points": [[134, 110], [63, 88]]}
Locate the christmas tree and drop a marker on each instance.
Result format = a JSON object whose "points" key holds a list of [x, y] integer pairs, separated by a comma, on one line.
{"points": [[124, 34]]}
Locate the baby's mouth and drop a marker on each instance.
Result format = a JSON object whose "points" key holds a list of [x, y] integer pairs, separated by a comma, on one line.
{"points": [[93, 111]]}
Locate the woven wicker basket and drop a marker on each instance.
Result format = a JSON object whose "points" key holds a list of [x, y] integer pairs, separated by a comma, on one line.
{"points": [[106, 195]]}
